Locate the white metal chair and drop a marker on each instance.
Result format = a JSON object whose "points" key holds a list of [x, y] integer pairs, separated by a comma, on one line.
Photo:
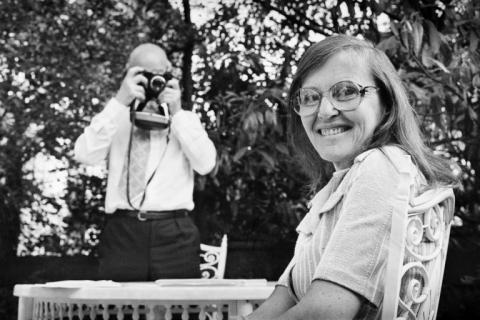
{"points": [[214, 260], [417, 255]]}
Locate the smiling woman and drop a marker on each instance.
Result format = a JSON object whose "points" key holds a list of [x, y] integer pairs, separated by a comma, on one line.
{"points": [[351, 122], [342, 125]]}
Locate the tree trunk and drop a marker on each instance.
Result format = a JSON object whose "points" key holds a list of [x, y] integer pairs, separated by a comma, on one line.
{"points": [[10, 213], [187, 83]]}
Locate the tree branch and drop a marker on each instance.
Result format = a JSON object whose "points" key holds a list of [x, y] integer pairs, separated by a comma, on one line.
{"points": [[432, 77], [471, 141], [392, 16], [312, 24]]}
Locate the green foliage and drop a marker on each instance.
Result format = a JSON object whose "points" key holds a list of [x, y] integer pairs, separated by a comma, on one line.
{"points": [[435, 48], [62, 59], [255, 191], [59, 60]]}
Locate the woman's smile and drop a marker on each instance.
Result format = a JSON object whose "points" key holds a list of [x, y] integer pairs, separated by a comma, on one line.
{"points": [[333, 131]]}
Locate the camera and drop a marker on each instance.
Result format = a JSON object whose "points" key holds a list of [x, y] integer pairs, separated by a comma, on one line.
{"points": [[156, 82], [150, 120]]}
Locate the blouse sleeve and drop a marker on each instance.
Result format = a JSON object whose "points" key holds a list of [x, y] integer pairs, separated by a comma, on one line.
{"points": [[285, 279], [355, 256]]}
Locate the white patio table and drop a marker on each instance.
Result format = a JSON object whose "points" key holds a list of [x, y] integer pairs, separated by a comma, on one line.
{"points": [[209, 299]]}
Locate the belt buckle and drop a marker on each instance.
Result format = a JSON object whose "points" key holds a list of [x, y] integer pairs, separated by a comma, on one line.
{"points": [[140, 216]]}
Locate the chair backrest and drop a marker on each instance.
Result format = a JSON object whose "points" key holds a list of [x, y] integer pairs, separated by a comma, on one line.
{"points": [[214, 260], [417, 255]]}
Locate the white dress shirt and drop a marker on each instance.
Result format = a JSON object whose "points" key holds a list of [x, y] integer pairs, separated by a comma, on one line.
{"points": [[171, 187]]}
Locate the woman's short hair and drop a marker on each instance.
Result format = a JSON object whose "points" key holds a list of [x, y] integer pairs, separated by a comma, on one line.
{"points": [[399, 125]]}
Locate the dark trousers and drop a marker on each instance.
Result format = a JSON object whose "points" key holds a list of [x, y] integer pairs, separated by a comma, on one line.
{"points": [[134, 250]]}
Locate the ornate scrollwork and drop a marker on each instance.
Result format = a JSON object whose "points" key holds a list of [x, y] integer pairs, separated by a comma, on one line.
{"points": [[429, 225], [208, 272], [414, 231], [417, 288], [434, 223], [414, 291], [210, 257], [418, 248], [208, 267]]}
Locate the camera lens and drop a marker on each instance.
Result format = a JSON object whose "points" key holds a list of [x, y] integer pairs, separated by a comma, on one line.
{"points": [[157, 83]]}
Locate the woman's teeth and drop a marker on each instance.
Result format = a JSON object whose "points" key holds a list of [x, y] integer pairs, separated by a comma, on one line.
{"points": [[332, 131]]}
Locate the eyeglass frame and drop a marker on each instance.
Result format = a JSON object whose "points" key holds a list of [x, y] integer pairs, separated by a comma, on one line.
{"points": [[361, 89]]}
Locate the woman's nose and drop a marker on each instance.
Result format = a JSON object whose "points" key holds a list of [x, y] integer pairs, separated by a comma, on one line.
{"points": [[326, 109]]}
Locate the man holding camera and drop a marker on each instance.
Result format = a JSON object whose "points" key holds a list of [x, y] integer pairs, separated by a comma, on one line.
{"points": [[153, 147]]}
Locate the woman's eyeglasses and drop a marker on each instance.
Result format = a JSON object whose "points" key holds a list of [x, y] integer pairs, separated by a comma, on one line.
{"points": [[343, 95]]}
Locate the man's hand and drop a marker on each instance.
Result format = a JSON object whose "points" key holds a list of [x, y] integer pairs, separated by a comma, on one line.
{"points": [[172, 96], [132, 87]]}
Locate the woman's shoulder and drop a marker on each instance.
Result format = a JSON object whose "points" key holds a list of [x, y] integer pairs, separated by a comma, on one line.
{"points": [[385, 159]]}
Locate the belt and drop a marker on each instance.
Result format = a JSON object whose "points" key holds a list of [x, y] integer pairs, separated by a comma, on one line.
{"points": [[151, 215]]}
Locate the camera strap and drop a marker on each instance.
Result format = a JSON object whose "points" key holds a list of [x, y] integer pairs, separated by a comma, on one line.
{"points": [[153, 173]]}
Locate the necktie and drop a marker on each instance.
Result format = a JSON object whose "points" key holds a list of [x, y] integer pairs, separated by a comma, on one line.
{"points": [[139, 152]]}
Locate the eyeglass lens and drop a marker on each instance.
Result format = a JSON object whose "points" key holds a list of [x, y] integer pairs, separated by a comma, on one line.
{"points": [[344, 95]]}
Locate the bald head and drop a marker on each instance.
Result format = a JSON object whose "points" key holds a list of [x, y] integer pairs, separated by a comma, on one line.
{"points": [[150, 57]]}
